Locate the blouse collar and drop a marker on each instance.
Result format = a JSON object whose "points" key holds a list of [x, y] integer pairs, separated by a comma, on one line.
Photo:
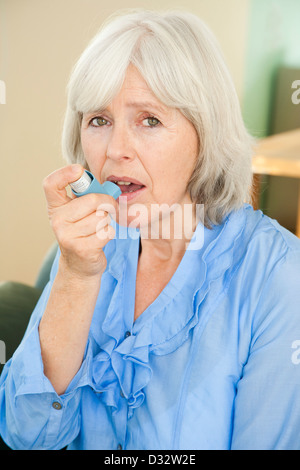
{"points": [[123, 361]]}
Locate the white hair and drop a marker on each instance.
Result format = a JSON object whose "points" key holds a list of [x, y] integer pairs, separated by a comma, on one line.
{"points": [[180, 60]]}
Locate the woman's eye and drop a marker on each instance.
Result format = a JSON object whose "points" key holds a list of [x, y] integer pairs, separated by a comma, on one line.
{"points": [[98, 122], [151, 121]]}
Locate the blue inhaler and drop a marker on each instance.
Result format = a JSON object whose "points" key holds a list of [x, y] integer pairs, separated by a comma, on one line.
{"points": [[87, 184]]}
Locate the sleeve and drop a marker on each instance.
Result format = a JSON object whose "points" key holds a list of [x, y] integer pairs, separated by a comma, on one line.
{"points": [[267, 405], [32, 415]]}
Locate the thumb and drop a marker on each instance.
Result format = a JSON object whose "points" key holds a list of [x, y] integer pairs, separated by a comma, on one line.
{"points": [[55, 184]]}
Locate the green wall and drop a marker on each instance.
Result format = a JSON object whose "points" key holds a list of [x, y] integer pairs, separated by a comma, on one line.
{"points": [[272, 64], [273, 41]]}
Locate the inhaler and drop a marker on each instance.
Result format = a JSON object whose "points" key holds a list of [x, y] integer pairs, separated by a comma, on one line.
{"points": [[87, 183]]}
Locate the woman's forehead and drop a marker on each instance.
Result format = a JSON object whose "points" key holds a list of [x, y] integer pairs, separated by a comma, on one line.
{"points": [[136, 94], [136, 87]]}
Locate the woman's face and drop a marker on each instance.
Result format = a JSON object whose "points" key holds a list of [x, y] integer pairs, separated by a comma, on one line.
{"points": [[138, 140]]}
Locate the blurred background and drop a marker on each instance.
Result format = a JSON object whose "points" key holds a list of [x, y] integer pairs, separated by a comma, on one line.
{"points": [[40, 40]]}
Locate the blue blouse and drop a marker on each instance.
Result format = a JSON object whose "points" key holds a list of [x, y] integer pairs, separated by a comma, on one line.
{"points": [[212, 363]]}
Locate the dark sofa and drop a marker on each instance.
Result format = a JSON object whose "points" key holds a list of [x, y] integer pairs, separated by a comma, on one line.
{"points": [[17, 301]]}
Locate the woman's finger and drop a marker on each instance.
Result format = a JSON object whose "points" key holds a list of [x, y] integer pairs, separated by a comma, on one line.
{"points": [[89, 225], [55, 184], [83, 206]]}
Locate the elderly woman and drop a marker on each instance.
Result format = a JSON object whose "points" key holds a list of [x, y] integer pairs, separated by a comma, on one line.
{"points": [[148, 341]]}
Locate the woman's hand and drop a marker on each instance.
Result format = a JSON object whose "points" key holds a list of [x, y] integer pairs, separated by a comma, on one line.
{"points": [[80, 228], [81, 233]]}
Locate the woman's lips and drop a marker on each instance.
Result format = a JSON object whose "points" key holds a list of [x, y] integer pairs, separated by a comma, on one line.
{"points": [[126, 179], [129, 195], [130, 187]]}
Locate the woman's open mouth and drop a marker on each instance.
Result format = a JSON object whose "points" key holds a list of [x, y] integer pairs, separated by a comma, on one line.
{"points": [[130, 187]]}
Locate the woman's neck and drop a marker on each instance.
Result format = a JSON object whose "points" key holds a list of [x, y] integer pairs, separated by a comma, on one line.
{"points": [[168, 237]]}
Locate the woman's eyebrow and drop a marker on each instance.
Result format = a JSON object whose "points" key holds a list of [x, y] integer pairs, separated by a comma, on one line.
{"points": [[147, 104], [132, 104]]}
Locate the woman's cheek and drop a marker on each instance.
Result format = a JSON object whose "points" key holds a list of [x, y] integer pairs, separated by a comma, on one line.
{"points": [[94, 153]]}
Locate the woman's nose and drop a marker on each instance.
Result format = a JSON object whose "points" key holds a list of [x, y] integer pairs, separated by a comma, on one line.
{"points": [[119, 143]]}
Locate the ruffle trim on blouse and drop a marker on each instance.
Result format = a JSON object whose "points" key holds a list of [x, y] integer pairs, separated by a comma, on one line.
{"points": [[121, 368]]}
